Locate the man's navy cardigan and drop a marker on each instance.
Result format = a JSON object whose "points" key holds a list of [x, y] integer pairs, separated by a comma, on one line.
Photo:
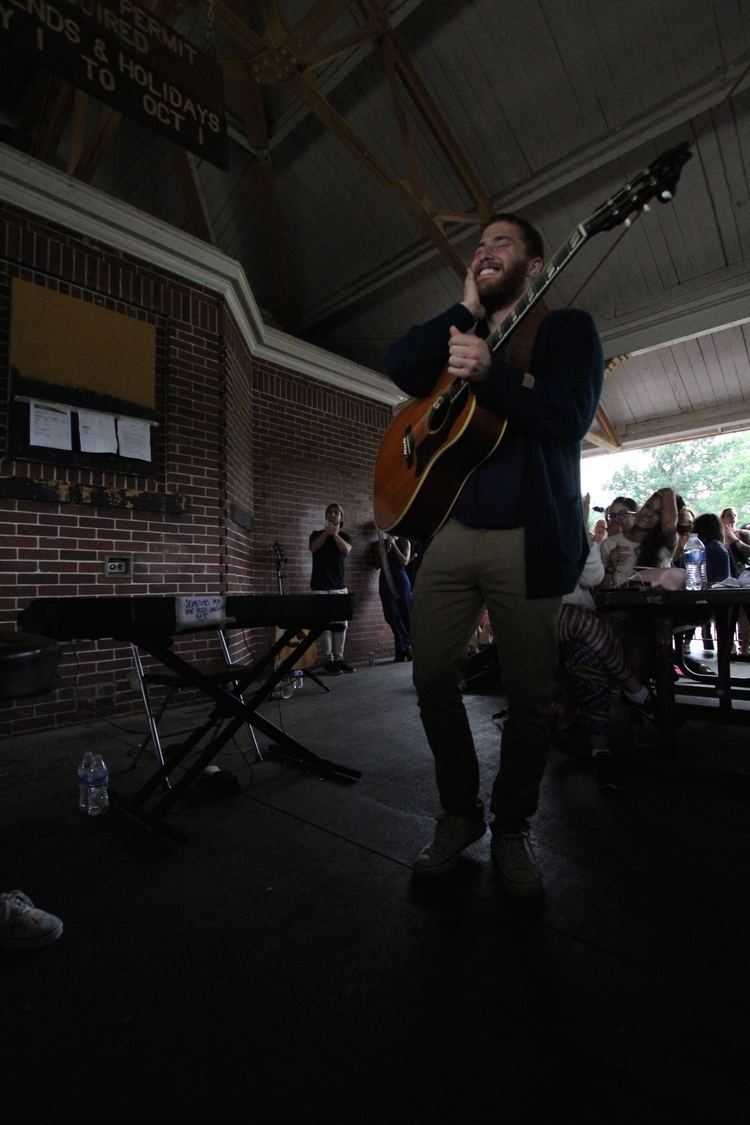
{"points": [[546, 424]]}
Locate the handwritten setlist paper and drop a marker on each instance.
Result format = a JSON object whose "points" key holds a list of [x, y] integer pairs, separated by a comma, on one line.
{"points": [[97, 432], [49, 426], [134, 436]]}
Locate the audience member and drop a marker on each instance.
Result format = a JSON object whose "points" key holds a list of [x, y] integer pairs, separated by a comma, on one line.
{"points": [[594, 658], [737, 542], [621, 514], [651, 540], [710, 531], [600, 531], [394, 588], [329, 549], [685, 521]]}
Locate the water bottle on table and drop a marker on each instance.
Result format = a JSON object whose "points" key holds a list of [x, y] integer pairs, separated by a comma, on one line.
{"points": [[694, 554]]}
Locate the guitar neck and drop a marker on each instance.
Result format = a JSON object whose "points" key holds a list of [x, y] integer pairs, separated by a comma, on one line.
{"points": [[539, 285]]}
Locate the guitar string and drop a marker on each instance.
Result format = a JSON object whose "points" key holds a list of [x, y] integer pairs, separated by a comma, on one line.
{"points": [[711, 118]]}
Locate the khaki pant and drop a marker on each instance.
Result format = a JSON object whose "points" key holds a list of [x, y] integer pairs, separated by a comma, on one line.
{"points": [[464, 570]]}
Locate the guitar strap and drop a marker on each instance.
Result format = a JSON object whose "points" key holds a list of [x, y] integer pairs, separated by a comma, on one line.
{"points": [[521, 339]]}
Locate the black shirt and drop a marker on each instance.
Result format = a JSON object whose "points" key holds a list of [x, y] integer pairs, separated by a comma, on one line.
{"points": [[328, 563]]}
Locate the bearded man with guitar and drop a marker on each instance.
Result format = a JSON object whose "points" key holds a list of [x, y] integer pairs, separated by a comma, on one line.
{"points": [[514, 540]]}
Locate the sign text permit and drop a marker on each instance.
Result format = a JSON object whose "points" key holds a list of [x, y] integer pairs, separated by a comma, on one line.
{"points": [[131, 61]]}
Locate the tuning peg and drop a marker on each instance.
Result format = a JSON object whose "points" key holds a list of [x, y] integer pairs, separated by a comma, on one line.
{"points": [[665, 195], [645, 208], [628, 223]]}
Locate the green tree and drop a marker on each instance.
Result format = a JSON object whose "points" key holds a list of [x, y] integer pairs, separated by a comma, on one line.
{"points": [[710, 474]]}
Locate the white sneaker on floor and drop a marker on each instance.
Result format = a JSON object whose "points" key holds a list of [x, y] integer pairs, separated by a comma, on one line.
{"points": [[516, 864], [452, 836], [24, 926]]}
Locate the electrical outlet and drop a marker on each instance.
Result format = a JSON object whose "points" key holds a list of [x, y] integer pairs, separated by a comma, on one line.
{"points": [[118, 566]]}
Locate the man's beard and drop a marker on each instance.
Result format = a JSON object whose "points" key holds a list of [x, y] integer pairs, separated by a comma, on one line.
{"points": [[505, 288]]}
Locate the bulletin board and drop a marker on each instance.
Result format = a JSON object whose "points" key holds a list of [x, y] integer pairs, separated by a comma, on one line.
{"points": [[74, 353]]}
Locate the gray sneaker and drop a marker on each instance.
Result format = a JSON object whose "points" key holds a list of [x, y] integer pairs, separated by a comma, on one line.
{"points": [[23, 925], [452, 836], [516, 864]]}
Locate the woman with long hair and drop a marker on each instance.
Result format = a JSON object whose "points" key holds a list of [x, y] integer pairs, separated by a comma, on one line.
{"points": [[651, 541]]}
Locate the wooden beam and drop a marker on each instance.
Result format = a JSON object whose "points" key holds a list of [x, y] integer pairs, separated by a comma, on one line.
{"points": [[319, 56], [415, 177], [391, 45], [421, 209], [602, 442], [280, 58], [95, 147], [320, 17], [190, 184], [93, 150], [274, 28], [44, 111], [77, 127], [265, 181], [608, 438]]}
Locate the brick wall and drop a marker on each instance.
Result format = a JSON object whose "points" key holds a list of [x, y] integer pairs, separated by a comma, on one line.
{"points": [[235, 436]]}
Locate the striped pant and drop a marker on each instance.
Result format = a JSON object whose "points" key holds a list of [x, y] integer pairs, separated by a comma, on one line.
{"points": [[593, 657]]}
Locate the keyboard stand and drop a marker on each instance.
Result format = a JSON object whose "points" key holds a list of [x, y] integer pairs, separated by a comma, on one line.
{"points": [[231, 712]]}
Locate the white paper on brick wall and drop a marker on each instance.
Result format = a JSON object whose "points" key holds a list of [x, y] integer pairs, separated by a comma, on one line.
{"points": [[134, 436], [97, 432], [49, 426]]}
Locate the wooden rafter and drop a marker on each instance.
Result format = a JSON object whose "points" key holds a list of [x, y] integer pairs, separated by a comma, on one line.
{"points": [[49, 102], [290, 58], [200, 220], [257, 134], [77, 129], [606, 436], [95, 146], [44, 111], [96, 143]]}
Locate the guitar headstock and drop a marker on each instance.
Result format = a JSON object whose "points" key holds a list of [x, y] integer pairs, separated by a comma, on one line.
{"points": [[281, 559], [658, 181]]}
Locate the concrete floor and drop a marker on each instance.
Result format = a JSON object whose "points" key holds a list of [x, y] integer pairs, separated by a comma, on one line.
{"points": [[284, 965]]}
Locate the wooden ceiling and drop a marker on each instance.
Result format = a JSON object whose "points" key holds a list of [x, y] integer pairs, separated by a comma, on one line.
{"points": [[369, 138]]}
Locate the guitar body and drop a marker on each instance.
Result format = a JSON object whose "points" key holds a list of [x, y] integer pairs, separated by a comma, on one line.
{"points": [[427, 453], [308, 658]]}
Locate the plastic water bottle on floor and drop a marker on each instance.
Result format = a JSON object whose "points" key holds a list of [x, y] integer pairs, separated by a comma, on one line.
{"points": [[84, 781], [299, 678], [98, 796], [695, 564]]}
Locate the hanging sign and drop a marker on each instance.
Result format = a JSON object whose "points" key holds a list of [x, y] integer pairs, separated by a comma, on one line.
{"points": [[127, 58]]}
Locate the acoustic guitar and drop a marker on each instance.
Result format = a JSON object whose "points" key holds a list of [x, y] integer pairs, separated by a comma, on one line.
{"points": [[434, 444]]}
